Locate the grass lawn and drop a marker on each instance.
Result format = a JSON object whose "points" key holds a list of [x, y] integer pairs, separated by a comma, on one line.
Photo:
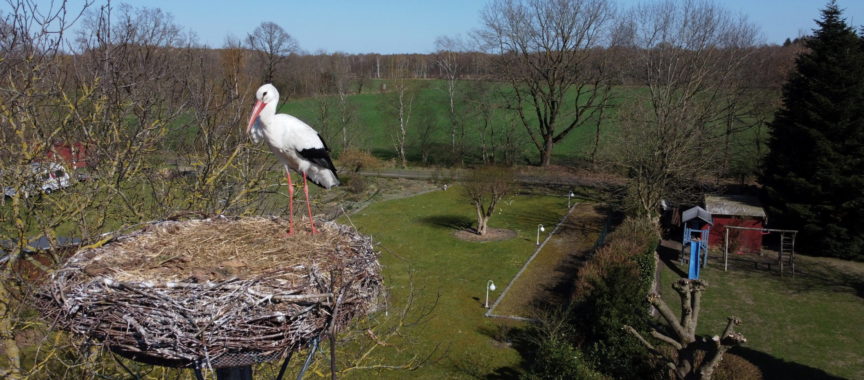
{"points": [[417, 234], [808, 327]]}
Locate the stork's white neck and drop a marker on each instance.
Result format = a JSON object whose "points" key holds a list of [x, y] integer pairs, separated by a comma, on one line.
{"points": [[268, 113]]}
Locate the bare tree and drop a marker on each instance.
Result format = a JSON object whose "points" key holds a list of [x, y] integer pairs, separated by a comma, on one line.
{"points": [[403, 103], [544, 51], [484, 188], [346, 111], [337, 115], [448, 61], [682, 334], [272, 44], [378, 343], [687, 55], [399, 105], [427, 122], [501, 141], [116, 95]]}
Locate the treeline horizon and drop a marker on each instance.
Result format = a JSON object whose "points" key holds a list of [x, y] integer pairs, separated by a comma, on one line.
{"points": [[270, 54], [314, 74]]}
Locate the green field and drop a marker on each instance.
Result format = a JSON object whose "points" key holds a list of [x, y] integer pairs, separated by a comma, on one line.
{"points": [[374, 126], [417, 246], [809, 327]]}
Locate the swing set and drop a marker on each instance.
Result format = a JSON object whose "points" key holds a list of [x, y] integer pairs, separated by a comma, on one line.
{"points": [[785, 251]]}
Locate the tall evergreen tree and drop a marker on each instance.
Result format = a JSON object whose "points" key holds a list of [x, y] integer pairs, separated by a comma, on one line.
{"points": [[814, 174]]}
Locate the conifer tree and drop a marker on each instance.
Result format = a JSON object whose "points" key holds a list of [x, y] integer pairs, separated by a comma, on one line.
{"points": [[814, 175]]}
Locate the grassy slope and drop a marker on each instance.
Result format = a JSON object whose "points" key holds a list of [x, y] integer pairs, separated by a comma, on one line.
{"points": [[417, 234], [796, 328], [374, 123], [432, 102]]}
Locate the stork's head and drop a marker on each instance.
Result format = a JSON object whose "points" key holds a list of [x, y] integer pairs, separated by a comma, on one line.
{"points": [[266, 94]]}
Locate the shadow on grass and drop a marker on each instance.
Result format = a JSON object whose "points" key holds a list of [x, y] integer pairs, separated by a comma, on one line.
{"points": [[453, 222], [809, 276], [517, 337], [561, 292], [669, 256], [776, 368], [526, 344]]}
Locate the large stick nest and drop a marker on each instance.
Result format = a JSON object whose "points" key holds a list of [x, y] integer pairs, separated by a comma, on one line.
{"points": [[216, 292]]}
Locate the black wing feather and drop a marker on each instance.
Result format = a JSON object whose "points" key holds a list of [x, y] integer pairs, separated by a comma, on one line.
{"points": [[319, 156]]}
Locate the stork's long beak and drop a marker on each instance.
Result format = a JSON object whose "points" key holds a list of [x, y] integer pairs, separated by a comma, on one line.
{"points": [[259, 106]]}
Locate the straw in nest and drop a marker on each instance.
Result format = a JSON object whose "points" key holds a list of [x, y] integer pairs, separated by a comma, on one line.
{"points": [[220, 292]]}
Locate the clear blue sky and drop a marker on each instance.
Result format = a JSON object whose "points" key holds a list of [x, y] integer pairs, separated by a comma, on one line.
{"points": [[411, 26]]}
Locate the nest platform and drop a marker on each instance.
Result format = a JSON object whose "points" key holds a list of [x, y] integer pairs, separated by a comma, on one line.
{"points": [[219, 292]]}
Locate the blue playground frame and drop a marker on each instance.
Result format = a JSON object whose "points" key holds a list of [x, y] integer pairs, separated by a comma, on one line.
{"points": [[694, 243]]}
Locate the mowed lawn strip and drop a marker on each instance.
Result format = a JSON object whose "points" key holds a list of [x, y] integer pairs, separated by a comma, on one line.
{"points": [[417, 243], [814, 320], [548, 278]]}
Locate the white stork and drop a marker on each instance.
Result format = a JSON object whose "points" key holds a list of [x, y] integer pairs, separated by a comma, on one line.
{"points": [[296, 144]]}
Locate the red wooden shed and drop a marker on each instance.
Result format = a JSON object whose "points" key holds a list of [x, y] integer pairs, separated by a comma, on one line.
{"points": [[74, 154], [736, 210]]}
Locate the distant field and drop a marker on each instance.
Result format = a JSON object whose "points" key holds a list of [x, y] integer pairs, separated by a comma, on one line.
{"points": [[374, 126]]}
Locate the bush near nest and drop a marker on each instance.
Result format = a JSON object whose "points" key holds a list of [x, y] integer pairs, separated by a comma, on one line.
{"points": [[217, 292]]}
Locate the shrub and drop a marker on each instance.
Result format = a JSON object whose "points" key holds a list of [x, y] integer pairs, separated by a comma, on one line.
{"points": [[558, 359], [616, 299], [355, 184], [633, 242], [355, 160], [610, 293], [733, 367]]}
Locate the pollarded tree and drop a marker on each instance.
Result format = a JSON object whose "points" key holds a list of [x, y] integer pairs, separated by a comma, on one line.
{"points": [[484, 188], [814, 174], [681, 334]]}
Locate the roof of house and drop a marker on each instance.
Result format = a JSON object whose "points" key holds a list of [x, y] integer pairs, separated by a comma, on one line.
{"points": [[696, 212], [739, 205]]}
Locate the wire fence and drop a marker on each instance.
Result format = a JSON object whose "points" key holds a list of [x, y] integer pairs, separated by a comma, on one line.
{"points": [[598, 243]]}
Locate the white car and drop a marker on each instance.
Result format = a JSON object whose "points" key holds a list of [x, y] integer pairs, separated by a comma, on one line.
{"points": [[45, 178]]}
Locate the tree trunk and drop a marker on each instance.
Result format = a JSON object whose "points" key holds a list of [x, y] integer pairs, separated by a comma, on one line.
{"points": [[683, 334], [13, 354], [596, 144], [482, 219], [546, 154]]}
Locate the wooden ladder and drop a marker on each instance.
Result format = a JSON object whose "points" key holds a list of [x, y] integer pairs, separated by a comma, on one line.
{"points": [[787, 252]]}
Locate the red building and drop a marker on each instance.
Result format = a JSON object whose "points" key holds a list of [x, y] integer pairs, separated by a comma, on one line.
{"points": [[74, 155], [736, 210]]}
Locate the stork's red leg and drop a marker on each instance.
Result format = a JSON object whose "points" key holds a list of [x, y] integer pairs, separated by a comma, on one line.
{"points": [[290, 204], [308, 205]]}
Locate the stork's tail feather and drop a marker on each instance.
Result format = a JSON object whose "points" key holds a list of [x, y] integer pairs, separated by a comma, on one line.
{"points": [[325, 178]]}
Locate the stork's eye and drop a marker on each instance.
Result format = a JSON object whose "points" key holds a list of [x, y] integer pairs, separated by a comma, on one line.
{"points": [[265, 93]]}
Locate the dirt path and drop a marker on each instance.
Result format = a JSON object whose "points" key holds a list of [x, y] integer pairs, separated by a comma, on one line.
{"points": [[548, 278], [525, 175]]}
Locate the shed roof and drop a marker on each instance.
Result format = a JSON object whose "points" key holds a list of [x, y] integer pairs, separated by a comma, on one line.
{"points": [[741, 205], [696, 212]]}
